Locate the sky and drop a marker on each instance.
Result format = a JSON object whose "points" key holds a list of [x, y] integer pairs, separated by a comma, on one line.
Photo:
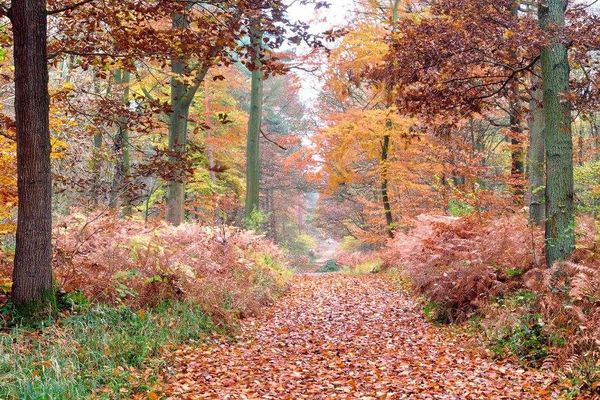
{"points": [[338, 14]]}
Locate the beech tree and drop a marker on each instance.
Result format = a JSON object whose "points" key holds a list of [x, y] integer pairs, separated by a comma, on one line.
{"points": [[254, 127]]}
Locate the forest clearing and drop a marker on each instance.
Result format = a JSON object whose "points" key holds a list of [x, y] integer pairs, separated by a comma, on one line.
{"points": [[299, 199]]}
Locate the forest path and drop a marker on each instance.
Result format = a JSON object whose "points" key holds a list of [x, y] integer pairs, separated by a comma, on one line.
{"points": [[336, 336]]}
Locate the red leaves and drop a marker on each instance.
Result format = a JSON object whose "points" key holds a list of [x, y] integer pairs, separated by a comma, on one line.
{"points": [[341, 337]]}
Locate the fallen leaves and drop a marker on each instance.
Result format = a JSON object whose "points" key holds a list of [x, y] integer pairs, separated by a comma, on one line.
{"points": [[347, 337]]}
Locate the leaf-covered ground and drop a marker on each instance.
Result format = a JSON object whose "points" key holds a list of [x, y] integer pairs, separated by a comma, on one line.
{"points": [[347, 337]]}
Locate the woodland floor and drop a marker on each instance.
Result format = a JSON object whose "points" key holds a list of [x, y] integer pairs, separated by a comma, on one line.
{"points": [[338, 336]]}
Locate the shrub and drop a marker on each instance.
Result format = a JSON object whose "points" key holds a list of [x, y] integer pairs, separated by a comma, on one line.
{"points": [[526, 339], [330, 266], [461, 263], [229, 272], [495, 270]]}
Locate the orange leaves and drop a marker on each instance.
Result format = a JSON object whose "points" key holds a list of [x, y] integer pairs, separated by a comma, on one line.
{"points": [[344, 337]]}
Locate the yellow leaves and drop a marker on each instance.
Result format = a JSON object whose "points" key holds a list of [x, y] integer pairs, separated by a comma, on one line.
{"points": [[8, 184], [508, 33], [68, 86], [363, 47], [58, 148], [351, 145], [5, 285]]}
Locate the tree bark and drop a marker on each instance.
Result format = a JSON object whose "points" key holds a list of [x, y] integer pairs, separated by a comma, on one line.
{"points": [[254, 126], [560, 220], [178, 121], [517, 166], [387, 207], [32, 275], [209, 148], [121, 147], [385, 147], [536, 154]]}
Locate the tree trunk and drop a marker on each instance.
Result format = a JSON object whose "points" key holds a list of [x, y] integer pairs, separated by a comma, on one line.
{"points": [[96, 161], [560, 220], [536, 154], [32, 275], [385, 147], [121, 147], [517, 167], [387, 208], [209, 148], [254, 126], [178, 120]]}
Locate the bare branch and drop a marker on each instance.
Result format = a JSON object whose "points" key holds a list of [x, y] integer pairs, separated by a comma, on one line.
{"points": [[69, 7], [264, 135]]}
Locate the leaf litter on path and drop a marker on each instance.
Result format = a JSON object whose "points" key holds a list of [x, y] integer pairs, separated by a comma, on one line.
{"points": [[337, 336]]}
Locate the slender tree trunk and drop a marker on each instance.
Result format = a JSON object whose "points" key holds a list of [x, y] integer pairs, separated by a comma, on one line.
{"points": [[387, 208], [178, 120], [536, 154], [97, 162], [209, 147], [121, 146], [32, 275], [385, 149], [560, 220], [254, 126], [580, 147], [517, 166]]}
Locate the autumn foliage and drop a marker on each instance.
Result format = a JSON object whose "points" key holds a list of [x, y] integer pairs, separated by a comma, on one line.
{"points": [[230, 273]]}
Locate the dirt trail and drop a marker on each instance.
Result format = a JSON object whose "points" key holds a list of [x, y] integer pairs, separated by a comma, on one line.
{"points": [[347, 337]]}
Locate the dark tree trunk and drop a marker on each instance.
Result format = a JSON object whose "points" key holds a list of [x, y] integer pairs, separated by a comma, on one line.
{"points": [[178, 121], [387, 208], [32, 275], [517, 166]]}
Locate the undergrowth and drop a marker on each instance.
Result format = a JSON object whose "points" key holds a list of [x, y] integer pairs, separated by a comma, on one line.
{"points": [[106, 352], [490, 272], [128, 293]]}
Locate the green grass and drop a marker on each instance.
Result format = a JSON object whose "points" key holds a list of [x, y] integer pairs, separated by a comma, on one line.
{"points": [[367, 267], [107, 352]]}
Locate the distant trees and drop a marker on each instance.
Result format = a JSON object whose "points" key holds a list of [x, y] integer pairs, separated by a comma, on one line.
{"points": [[126, 72], [473, 64]]}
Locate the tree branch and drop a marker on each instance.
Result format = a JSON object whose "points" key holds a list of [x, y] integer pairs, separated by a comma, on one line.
{"points": [[264, 135], [69, 7]]}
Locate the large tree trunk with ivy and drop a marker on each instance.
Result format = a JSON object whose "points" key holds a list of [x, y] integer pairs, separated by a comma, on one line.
{"points": [[32, 275], [121, 146], [254, 126], [560, 221], [536, 154]]}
